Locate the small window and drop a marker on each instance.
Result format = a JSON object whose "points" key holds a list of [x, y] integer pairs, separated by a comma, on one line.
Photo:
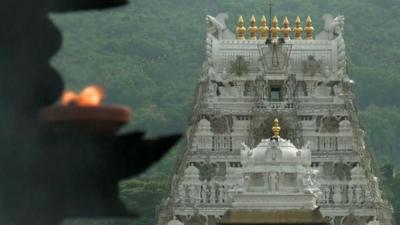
{"points": [[275, 94]]}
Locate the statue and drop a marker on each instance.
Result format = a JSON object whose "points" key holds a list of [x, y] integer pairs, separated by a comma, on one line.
{"points": [[333, 27], [217, 28], [259, 86], [310, 185], [311, 66], [273, 183], [291, 87]]}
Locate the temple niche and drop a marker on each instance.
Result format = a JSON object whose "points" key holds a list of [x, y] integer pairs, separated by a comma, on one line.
{"points": [[261, 127], [250, 77]]}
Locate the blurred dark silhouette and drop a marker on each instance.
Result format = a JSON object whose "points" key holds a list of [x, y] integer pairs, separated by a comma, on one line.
{"points": [[45, 175]]}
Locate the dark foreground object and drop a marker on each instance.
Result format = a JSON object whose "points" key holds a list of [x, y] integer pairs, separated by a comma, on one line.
{"points": [[51, 170]]}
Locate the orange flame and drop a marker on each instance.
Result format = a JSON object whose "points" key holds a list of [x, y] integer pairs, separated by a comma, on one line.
{"points": [[90, 96]]}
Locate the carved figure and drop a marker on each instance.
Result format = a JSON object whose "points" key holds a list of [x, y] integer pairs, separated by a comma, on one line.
{"points": [[311, 66], [291, 87], [333, 27], [259, 88], [217, 28], [310, 185], [273, 183], [240, 66]]}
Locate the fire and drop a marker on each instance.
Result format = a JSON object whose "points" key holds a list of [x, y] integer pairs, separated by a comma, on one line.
{"points": [[90, 96]]}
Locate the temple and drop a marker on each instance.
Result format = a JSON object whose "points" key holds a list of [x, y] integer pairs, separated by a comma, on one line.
{"points": [[250, 77]]}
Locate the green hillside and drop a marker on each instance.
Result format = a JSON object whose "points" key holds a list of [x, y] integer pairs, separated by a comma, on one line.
{"points": [[149, 54]]}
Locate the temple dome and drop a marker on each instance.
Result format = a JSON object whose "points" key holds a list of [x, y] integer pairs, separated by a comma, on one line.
{"points": [[357, 173], [277, 175], [344, 125], [174, 222], [204, 124], [191, 171], [271, 151]]}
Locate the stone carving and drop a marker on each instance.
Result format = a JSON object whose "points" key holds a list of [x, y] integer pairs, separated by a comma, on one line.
{"points": [[301, 89], [322, 90], [249, 88], [261, 127], [220, 124], [337, 197], [217, 28], [351, 219], [240, 66], [291, 87], [333, 27], [310, 184], [342, 171], [175, 221], [273, 182], [311, 66], [197, 219], [336, 27], [207, 170], [275, 57], [259, 86], [328, 124], [337, 90]]}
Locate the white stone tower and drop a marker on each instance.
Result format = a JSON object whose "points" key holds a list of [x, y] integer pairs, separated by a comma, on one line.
{"points": [[253, 77]]}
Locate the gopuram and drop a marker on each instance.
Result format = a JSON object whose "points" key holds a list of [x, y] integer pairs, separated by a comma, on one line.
{"points": [[251, 77]]}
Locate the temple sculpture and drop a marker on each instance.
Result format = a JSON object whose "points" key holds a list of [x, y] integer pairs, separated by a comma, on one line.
{"points": [[279, 186], [250, 77]]}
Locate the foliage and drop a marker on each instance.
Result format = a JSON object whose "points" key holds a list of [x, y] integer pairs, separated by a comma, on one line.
{"points": [[148, 56]]}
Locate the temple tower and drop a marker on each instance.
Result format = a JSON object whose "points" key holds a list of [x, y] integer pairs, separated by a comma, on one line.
{"points": [[248, 80]]}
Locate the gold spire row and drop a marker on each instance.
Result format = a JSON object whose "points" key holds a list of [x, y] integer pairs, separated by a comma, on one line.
{"points": [[274, 28], [253, 29], [309, 29], [286, 29], [276, 129], [275, 31], [298, 30], [263, 28], [240, 29]]}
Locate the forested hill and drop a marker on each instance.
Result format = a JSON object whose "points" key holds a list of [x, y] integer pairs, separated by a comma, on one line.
{"points": [[149, 54]]}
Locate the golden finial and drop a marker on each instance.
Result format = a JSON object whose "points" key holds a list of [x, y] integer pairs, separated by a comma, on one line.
{"points": [[253, 28], [263, 28], [240, 29], [309, 29], [286, 29], [298, 30], [274, 28], [276, 129]]}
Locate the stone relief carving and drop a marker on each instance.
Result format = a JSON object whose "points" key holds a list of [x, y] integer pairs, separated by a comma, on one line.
{"points": [[249, 88], [311, 185], [311, 66], [260, 127], [197, 219], [351, 219], [291, 85], [322, 90], [301, 89], [240, 66], [342, 171], [217, 28], [259, 88], [328, 124], [333, 27], [220, 124], [207, 170]]}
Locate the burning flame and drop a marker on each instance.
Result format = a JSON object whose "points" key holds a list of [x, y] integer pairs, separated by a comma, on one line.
{"points": [[90, 96]]}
